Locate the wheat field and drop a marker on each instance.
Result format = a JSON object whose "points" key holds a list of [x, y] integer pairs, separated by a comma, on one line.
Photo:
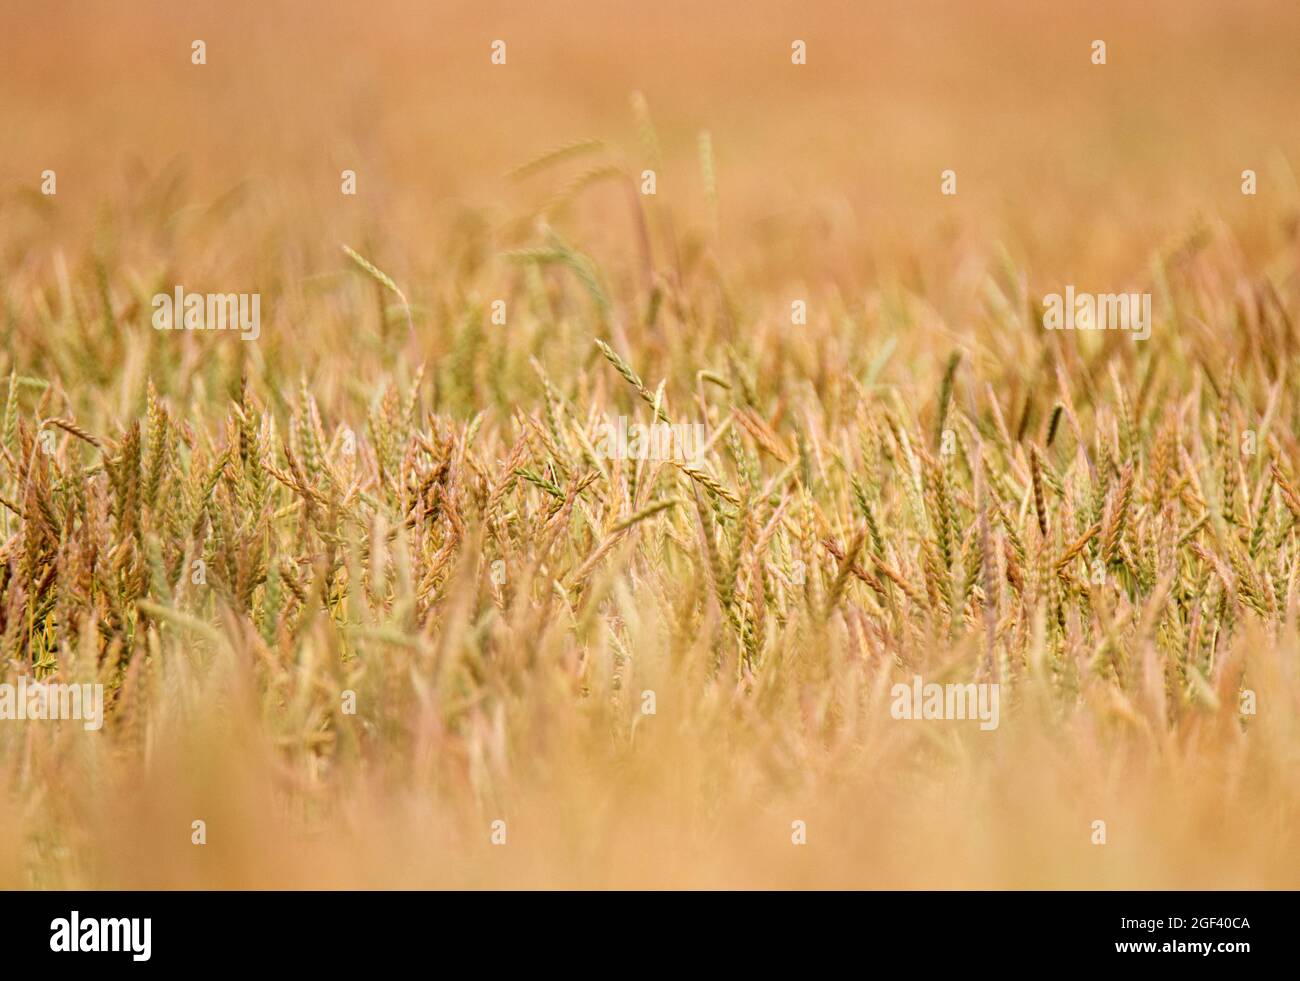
{"points": [[372, 603]]}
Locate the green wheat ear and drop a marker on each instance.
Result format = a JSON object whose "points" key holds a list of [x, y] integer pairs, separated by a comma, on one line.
{"points": [[646, 132], [708, 173], [10, 426], [554, 155], [632, 378], [382, 278]]}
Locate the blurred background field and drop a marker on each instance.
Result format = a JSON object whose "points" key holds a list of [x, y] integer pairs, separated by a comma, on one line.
{"points": [[827, 174]]}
